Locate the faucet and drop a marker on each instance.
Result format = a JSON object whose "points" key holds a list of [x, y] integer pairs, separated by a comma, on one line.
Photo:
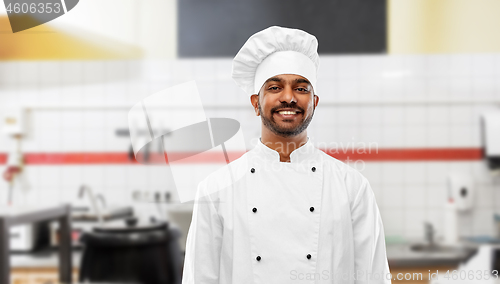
{"points": [[429, 233], [101, 198], [93, 203]]}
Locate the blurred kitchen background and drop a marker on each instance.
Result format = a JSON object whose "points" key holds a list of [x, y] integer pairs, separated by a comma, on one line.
{"points": [[416, 83]]}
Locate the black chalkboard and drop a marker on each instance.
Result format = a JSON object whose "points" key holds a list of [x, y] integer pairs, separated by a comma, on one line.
{"points": [[218, 28]]}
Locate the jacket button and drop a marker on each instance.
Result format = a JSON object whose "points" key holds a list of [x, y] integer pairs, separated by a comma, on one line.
{"points": [[311, 209], [313, 169], [252, 170], [254, 210], [308, 256], [258, 258]]}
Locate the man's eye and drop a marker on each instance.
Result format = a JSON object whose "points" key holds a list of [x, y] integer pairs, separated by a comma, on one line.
{"points": [[302, 89], [273, 88]]}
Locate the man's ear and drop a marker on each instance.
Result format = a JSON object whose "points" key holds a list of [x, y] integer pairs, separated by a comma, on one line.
{"points": [[254, 99], [316, 101]]}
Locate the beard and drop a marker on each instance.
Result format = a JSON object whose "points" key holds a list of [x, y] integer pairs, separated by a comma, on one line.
{"points": [[285, 132]]}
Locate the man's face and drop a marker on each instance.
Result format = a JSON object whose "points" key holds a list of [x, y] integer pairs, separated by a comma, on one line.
{"points": [[286, 104]]}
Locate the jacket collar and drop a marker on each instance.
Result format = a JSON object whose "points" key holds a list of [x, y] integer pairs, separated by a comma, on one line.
{"points": [[299, 155]]}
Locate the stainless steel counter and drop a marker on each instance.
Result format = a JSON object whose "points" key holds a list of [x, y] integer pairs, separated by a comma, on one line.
{"points": [[401, 255]]}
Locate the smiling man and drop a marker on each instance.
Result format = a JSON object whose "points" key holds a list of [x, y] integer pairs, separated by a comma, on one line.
{"points": [[293, 214]]}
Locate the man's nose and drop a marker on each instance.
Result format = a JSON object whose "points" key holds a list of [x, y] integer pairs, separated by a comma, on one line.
{"points": [[287, 95]]}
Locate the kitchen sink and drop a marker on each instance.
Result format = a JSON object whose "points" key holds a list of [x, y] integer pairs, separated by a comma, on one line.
{"points": [[85, 214], [430, 248]]}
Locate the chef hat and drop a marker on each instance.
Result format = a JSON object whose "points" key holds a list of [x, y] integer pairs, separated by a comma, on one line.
{"points": [[272, 52]]}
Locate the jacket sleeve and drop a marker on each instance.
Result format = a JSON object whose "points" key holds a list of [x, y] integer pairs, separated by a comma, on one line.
{"points": [[204, 240], [370, 259]]}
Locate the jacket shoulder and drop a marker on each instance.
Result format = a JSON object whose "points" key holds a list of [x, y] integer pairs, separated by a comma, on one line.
{"points": [[353, 180]]}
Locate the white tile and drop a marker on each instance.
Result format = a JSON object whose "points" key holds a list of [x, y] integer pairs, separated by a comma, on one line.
{"points": [[72, 95], [484, 196], [393, 196], [485, 87], [348, 89], [94, 119], [370, 89], [72, 140], [436, 196], [438, 65], [72, 72], [436, 172], [461, 136], [392, 173], [392, 88], [138, 177], [415, 88], [184, 70], [49, 120], [415, 136], [204, 70], [392, 115], [393, 136], [117, 70], [481, 172], [460, 167], [438, 88], [461, 65], [415, 64], [50, 177], [348, 67], [94, 140], [483, 65], [93, 176], [49, 140], [71, 177], [370, 115], [414, 173], [460, 114], [392, 64], [50, 72], [414, 196], [370, 137], [71, 119], [223, 69], [29, 73], [347, 136], [115, 93], [414, 223], [461, 88], [438, 136], [8, 73], [116, 119], [483, 222], [93, 94], [393, 220], [373, 173], [93, 72], [348, 115], [371, 66], [115, 176], [438, 115], [415, 115], [326, 90]]}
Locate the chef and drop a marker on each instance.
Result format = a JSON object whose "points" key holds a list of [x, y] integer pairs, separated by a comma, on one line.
{"points": [[290, 213]]}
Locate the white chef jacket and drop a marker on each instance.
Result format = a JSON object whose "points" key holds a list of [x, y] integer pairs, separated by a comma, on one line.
{"points": [[313, 220]]}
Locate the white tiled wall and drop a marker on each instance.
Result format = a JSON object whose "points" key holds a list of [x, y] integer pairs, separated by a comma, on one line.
{"points": [[411, 101]]}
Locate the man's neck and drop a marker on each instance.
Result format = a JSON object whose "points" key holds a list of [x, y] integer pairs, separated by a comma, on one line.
{"points": [[284, 146]]}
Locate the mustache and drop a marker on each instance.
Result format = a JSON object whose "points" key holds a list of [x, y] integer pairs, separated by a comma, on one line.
{"points": [[287, 105]]}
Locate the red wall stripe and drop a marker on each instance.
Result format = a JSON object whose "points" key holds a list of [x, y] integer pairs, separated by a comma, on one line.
{"points": [[402, 154]]}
